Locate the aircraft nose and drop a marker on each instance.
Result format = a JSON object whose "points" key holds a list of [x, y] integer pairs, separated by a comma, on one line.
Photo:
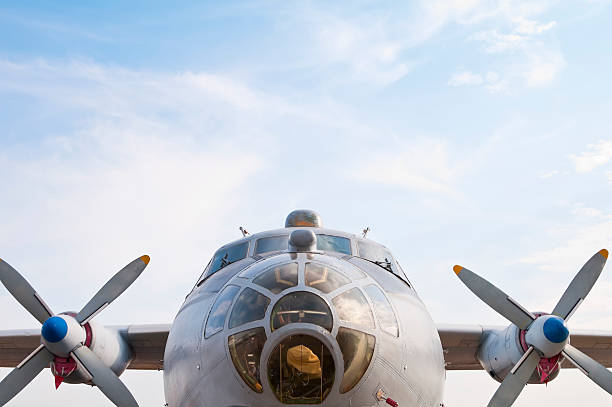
{"points": [[54, 329]]}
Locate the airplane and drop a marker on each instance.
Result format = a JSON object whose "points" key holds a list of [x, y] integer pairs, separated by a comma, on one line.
{"points": [[303, 315]]}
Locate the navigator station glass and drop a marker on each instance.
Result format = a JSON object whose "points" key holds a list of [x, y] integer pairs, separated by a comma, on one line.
{"points": [[278, 278], [301, 307], [245, 349], [250, 306], [323, 277], [218, 312], [352, 306], [357, 351], [382, 309]]}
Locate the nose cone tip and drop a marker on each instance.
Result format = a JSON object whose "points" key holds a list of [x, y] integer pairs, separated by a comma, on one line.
{"points": [[555, 330], [54, 329]]}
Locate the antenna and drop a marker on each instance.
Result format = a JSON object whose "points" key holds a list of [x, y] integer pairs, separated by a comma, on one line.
{"points": [[365, 232], [244, 231]]}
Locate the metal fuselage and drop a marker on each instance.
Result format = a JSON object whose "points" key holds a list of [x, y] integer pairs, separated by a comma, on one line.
{"points": [[200, 371]]}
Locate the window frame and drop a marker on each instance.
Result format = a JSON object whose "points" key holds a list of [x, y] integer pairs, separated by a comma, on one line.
{"points": [[206, 273]]}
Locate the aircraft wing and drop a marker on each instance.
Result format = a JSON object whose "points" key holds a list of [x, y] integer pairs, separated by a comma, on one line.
{"points": [[461, 342], [147, 341]]}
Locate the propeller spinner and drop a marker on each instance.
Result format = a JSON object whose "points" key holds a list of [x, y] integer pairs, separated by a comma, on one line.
{"points": [[546, 335], [64, 335]]}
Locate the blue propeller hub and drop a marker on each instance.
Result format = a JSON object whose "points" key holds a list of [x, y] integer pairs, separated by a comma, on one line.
{"points": [[555, 330], [54, 329]]}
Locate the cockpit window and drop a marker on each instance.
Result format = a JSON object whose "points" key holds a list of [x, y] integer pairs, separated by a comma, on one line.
{"points": [[250, 306], [379, 255], [383, 310], [278, 278], [330, 243], [352, 306], [228, 255], [323, 278], [376, 254], [218, 312], [301, 307], [245, 350], [271, 244], [326, 243]]}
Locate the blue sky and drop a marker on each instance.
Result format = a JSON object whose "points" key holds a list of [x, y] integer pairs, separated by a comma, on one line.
{"points": [[461, 131]]}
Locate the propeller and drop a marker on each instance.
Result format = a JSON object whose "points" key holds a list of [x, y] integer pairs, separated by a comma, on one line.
{"points": [[546, 334], [64, 336]]}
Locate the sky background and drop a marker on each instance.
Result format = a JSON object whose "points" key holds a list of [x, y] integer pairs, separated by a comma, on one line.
{"points": [[460, 131]]}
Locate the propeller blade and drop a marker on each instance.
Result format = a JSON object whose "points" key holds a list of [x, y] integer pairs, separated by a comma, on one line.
{"points": [[580, 286], [103, 377], [24, 293], [515, 381], [112, 289], [588, 366], [495, 298], [23, 374]]}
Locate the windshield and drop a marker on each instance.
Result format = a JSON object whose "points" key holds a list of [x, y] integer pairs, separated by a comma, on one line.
{"points": [[271, 244], [327, 243], [330, 243], [376, 254], [228, 255]]}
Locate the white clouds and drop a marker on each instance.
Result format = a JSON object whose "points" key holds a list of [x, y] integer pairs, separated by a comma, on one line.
{"points": [[523, 34], [436, 14], [578, 242], [530, 27], [542, 66], [585, 212], [494, 42], [609, 176], [597, 155], [118, 92], [375, 45], [151, 163], [114, 193], [465, 78], [364, 45], [425, 165], [530, 60], [490, 80], [548, 174], [589, 231]]}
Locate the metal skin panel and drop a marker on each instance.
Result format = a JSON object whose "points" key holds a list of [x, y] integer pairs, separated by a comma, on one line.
{"points": [[500, 351], [199, 372]]}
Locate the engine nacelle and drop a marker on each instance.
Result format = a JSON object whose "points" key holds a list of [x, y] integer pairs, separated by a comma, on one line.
{"points": [[108, 344], [500, 350]]}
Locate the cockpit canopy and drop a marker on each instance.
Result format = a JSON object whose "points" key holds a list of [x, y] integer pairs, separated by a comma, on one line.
{"points": [[334, 243]]}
